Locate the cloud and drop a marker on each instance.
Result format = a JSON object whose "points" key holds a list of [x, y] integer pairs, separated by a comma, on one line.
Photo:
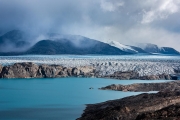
{"points": [[162, 10], [111, 5], [126, 21]]}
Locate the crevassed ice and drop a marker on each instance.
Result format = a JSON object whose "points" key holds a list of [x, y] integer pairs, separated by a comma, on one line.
{"points": [[144, 65]]}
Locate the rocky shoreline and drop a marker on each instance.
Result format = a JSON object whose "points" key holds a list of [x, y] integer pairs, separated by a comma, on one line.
{"points": [[162, 105], [32, 70], [145, 87]]}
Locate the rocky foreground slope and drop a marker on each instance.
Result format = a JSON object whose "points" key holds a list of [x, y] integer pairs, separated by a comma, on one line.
{"points": [[32, 70], [162, 105]]}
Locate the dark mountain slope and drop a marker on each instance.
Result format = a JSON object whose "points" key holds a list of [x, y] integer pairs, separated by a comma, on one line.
{"points": [[64, 46], [152, 48], [138, 49], [14, 40], [168, 50]]}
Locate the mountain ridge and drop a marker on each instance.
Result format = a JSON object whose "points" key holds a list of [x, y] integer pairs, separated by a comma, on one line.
{"points": [[154, 49], [127, 48], [14, 43], [64, 46]]}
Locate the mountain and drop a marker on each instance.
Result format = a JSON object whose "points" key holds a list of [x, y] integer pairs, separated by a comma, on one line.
{"points": [[16, 42], [154, 49], [127, 48], [12, 41], [78, 46], [148, 47], [168, 50]]}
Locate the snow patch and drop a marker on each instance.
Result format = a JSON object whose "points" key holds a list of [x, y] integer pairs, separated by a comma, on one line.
{"points": [[121, 46]]}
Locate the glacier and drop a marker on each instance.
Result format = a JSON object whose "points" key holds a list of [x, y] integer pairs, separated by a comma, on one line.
{"points": [[105, 64]]}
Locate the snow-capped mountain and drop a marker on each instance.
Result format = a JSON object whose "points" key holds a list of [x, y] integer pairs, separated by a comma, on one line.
{"points": [[122, 47], [127, 48]]}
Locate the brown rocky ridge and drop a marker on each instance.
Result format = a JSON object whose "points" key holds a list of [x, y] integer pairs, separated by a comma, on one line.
{"points": [[31, 70]]}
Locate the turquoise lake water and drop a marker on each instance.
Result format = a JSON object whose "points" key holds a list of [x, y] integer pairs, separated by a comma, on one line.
{"points": [[55, 98]]}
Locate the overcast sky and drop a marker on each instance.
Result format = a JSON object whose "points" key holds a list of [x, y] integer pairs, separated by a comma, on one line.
{"points": [[126, 21]]}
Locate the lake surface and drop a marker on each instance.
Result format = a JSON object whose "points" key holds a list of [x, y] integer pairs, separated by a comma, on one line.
{"points": [[55, 98]]}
